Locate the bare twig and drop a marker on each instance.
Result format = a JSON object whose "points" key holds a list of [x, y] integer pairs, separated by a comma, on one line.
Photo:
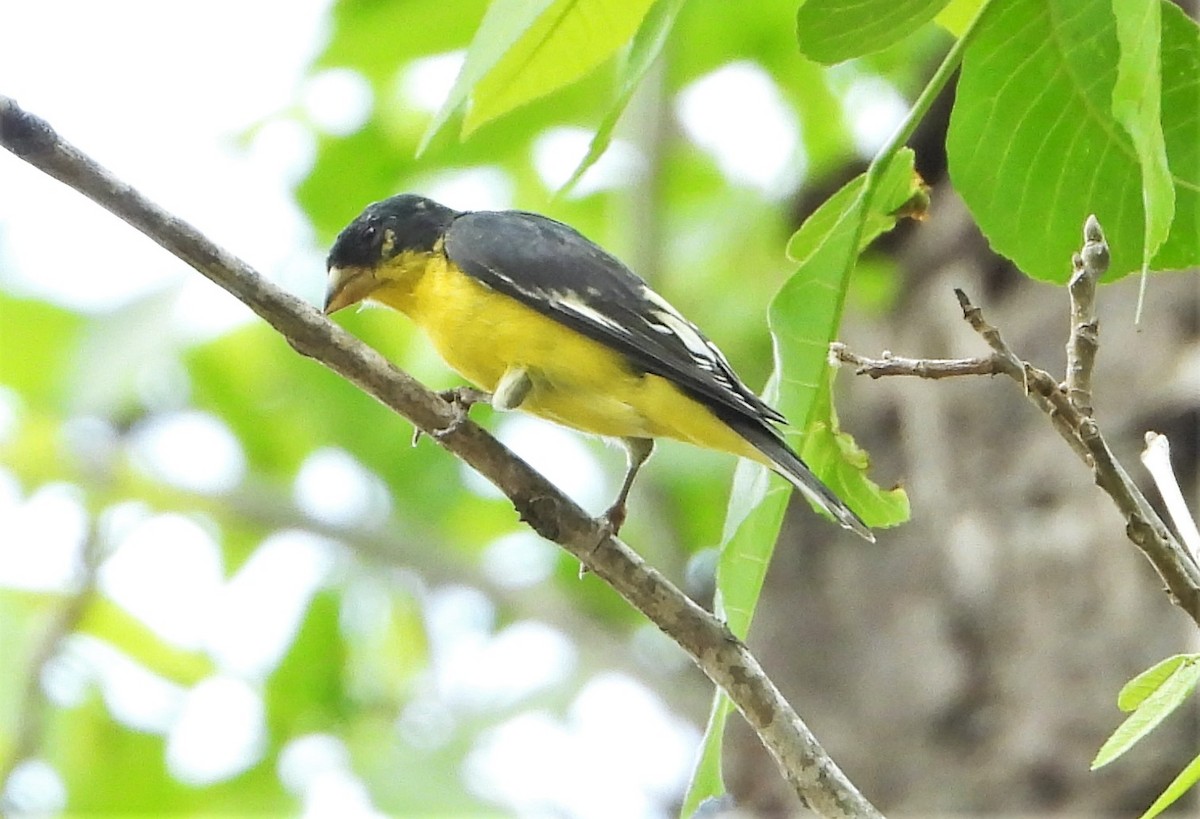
{"points": [[974, 316], [725, 659], [1142, 524], [934, 368], [1089, 265], [31, 711], [1073, 421], [1002, 362]]}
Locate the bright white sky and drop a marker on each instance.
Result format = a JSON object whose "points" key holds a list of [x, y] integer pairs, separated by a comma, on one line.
{"points": [[159, 92]]}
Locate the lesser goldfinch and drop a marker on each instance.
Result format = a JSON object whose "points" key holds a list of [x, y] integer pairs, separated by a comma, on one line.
{"points": [[532, 312]]}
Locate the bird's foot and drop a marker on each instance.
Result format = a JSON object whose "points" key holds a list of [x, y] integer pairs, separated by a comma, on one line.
{"points": [[609, 525], [460, 399]]}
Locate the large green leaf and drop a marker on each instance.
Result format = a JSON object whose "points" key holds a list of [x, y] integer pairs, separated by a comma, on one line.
{"points": [[1034, 146], [957, 15], [804, 316], [830, 31]]}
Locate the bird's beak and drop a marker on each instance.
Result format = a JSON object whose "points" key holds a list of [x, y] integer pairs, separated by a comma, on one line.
{"points": [[347, 286]]}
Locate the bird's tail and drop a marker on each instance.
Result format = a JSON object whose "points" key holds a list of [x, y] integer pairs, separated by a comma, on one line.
{"points": [[788, 464]]}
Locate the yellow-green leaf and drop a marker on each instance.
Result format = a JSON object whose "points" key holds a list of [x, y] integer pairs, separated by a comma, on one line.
{"points": [[502, 26], [1178, 787], [1134, 692], [1153, 710], [805, 316], [566, 42]]}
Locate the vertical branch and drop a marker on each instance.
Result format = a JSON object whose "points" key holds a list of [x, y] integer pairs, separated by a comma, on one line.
{"points": [[1089, 264], [31, 711]]}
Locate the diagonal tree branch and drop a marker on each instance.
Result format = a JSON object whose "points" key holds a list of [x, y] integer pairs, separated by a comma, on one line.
{"points": [[810, 772]]}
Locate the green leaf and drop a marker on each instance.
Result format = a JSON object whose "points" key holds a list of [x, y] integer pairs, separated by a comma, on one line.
{"points": [[1153, 710], [647, 44], [756, 508], [830, 31], [1134, 692], [804, 318], [503, 25], [568, 41], [807, 311], [707, 781], [1137, 105], [1178, 787], [899, 191], [1034, 146], [842, 465]]}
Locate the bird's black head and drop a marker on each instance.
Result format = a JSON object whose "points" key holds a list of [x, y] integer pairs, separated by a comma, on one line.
{"points": [[388, 228]]}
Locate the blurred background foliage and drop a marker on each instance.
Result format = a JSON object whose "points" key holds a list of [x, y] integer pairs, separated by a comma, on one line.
{"points": [[282, 602], [227, 581]]}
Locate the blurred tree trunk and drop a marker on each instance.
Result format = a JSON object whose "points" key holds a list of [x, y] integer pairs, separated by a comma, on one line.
{"points": [[970, 662]]}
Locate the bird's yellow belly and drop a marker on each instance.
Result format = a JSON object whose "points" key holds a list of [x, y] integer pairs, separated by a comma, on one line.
{"points": [[576, 381]]}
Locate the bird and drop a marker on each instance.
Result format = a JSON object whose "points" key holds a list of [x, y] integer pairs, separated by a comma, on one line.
{"points": [[541, 319]]}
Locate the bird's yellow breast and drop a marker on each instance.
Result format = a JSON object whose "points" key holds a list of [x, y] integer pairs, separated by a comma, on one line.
{"points": [[577, 381]]}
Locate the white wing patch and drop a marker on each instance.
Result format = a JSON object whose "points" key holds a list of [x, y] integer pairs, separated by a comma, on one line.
{"points": [[571, 301], [683, 330], [567, 300], [667, 320], [703, 351]]}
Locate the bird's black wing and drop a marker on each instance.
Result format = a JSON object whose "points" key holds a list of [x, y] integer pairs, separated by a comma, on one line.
{"points": [[558, 272]]}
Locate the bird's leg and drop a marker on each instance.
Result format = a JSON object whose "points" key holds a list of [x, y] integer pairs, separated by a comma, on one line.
{"points": [[511, 390], [460, 399], [637, 450]]}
